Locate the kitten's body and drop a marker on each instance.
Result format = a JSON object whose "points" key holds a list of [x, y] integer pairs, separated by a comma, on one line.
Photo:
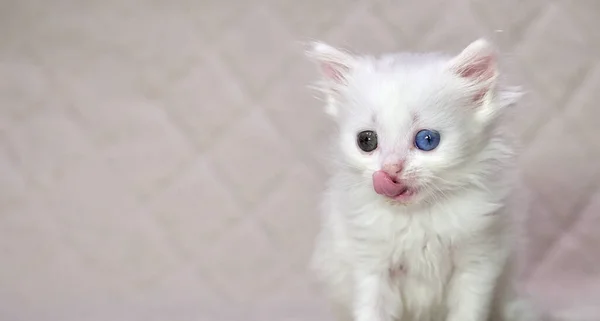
{"points": [[446, 253], [414, 250]]}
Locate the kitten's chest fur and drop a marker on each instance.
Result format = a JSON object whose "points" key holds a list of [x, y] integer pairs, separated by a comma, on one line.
{"points": [[416, 248], [416, 252], [418, 256], [415, 243], [421, 265]]}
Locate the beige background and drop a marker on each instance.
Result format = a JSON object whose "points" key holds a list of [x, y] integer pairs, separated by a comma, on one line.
{"points": [[161, 160]]}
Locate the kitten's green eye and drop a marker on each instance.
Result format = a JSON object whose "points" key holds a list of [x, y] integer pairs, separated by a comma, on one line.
{"points": [[367, 140]]}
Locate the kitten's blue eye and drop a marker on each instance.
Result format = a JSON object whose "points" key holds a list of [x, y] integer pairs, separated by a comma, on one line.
{"points": [[427, 139]]}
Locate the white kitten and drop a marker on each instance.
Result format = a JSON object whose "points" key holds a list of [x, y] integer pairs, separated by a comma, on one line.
{"points": [[417, 224]]}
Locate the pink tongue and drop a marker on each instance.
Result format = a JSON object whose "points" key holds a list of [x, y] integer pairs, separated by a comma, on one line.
{"points": [[384, 185]]}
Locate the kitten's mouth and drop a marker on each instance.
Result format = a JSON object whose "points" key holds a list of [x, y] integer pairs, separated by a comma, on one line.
{"points": [[389, 186]]}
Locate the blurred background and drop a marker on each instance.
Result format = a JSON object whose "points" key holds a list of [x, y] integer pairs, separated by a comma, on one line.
{"points": [[163, 160]]}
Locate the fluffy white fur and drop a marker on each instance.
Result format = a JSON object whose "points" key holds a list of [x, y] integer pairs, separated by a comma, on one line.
{"points": [[447, 254]]}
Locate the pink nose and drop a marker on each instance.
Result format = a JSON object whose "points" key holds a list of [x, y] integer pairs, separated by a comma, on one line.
{"points": [[387, 185], [393, 169]]}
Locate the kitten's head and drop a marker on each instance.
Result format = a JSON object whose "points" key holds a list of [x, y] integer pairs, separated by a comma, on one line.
{"points": [[415, 127]]}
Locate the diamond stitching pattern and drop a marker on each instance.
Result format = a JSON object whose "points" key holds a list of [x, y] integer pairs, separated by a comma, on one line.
{"points": [[168, 154]]}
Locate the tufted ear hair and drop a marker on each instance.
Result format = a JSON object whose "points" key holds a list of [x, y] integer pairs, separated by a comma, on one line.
{"points": [[477, 65], [335, 67], [334, 64], [477, 62]]}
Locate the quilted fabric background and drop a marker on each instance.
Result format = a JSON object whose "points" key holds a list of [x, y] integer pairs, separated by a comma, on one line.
{"points": [[161, 159]]}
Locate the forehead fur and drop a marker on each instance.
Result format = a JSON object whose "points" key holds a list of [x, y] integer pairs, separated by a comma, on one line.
{"points": [[403, 86]]}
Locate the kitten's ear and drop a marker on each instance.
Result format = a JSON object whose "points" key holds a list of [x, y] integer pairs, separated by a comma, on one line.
{"points": [[334, 64], [477, 64], [335, 67]]}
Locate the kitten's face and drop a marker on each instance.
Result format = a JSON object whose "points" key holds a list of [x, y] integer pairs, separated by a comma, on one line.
{"points": [[411, 126]]}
